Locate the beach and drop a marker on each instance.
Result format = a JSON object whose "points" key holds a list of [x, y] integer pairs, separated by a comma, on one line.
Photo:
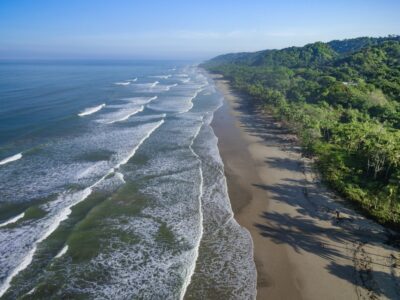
{"points": [[301, 249]]}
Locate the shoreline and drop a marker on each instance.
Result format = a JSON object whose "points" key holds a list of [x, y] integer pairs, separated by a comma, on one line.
{"points": [[301, 250]]}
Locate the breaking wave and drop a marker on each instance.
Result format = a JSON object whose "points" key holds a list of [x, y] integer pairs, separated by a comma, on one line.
{"points": [[162, 76], [91, 110], [13, 220], [11, 159]]}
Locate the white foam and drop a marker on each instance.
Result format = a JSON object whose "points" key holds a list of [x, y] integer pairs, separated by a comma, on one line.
{"points": [[140, 143], [152, 99], [188, 109], [61, 216], [65, 212], [123, 83], [142, 269], [191, 101], [91, 110], [127, 116], [120, 176], [174, 104], [11, 158], [229, 246], [139, 100], [171, 86], [162, 76], [126, 111], [31, 291], [149, 87], [133, 80], [154, 84], [62, 252], [92, 169], [13, 220], [198, 241]]}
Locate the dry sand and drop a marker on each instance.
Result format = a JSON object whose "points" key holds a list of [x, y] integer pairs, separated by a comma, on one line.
{"points": [[301, 250]]}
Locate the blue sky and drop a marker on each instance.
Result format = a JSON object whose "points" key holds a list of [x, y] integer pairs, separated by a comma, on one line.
{"points": [[182, 29]]}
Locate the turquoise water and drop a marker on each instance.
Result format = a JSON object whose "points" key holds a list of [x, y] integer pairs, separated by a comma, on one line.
{"points": [[112, 187]]}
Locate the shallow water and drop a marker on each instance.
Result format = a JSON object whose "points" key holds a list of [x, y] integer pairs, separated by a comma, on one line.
{"points": [[112, 186]]}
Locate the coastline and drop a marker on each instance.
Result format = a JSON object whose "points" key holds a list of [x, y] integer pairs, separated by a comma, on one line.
{"points": [[301, 250]]}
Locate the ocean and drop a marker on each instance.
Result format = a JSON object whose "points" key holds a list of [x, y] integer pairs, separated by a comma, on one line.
{"points": [[112, 186]]}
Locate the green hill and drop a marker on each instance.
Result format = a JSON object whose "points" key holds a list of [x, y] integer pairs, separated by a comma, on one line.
{"points": [[352, 45], [301, 56]]}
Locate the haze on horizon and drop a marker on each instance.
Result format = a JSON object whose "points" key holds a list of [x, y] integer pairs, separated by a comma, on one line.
{"points": [[180, 29]]}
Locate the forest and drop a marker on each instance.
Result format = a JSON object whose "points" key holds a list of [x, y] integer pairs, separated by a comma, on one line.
{"points": [[342, 99]]}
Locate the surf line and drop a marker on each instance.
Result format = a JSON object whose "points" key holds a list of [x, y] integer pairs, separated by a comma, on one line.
{"points": [[134, 112], [11, 158], [162, 76], [154, 84], [124, 118], [171, 86], [91, 110], [152, 99], [62, 252], [12, 220], [191, 101], [192, 266], [66, 211]]}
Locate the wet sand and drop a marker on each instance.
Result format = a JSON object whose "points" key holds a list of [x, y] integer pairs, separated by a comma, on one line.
{"points": [[301, 250]]}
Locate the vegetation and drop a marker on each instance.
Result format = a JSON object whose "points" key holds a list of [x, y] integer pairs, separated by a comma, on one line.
{"points": [[342, 98]]}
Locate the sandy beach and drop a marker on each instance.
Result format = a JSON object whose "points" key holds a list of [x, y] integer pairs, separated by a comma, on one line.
{"points": [[301, 249]]}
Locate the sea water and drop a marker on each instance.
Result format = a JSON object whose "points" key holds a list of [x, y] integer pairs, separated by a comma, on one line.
{"points": [[112, 186]]}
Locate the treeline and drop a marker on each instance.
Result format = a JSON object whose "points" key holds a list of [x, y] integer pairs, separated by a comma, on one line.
{"points": [[343, 100]]}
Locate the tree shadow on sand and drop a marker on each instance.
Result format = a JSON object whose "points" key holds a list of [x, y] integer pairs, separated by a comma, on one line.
{"points": [[300, 233], [256, 123], [366, 279], [314, 203], [284, 164], [306, 233]]}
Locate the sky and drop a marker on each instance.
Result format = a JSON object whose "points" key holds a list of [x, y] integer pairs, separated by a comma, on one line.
{"points": [[182, 29]]}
